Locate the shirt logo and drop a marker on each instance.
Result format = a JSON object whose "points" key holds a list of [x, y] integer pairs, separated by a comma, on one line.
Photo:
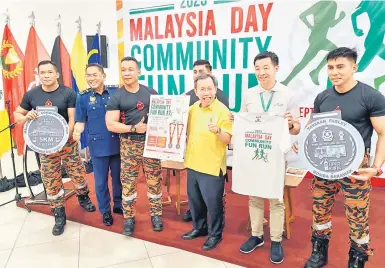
{"points": [[48, 103]]}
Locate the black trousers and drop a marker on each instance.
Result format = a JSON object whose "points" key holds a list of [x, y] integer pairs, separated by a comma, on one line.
{"points": [[205, 195]]}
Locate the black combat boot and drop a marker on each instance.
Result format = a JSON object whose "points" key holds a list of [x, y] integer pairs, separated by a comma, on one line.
{"points": [[85, 202], [60, 220], [157, 224], [129, 226], [319, 255], [357, 259]]}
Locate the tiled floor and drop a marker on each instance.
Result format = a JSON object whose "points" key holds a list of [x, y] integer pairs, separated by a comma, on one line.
{"points": [[26, 241]]}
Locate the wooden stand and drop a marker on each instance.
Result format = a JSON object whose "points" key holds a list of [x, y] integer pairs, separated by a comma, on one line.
{"points": [[177, 167]]}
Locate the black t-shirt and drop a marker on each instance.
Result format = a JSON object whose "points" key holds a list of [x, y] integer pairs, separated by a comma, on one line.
{"points": [[134, 106], [63, 98], [356, 105], [221, 96]]}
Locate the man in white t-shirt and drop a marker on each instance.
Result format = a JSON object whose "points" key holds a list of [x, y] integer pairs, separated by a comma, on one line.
{"points": [[269, 97]]}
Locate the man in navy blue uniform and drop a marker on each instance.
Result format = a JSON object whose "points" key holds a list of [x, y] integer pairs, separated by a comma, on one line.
{"points": [[91, 107]]}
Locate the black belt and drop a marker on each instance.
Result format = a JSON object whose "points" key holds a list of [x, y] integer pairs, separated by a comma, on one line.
{"points": [[134, 137]]}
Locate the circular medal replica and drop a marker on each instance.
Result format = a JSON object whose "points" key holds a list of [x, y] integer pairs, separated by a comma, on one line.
{"points": [[47, 134], [331, 148]]}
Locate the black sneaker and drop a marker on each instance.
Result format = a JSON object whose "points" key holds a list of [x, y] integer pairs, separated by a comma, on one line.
{"points": [[107, 219], [276, 252], [252, 243]]}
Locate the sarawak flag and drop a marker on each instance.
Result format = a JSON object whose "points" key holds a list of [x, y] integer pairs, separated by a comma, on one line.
{"points": [[78, 68], [34, 53], [61, 57], [12, 63], [78, 64]]}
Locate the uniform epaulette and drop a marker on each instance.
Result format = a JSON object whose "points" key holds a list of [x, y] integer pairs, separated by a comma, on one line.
{"points": [[84, 91]]}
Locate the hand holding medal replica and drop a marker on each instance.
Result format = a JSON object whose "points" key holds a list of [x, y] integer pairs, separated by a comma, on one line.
{"points": [[48, 133], [331, 148]]}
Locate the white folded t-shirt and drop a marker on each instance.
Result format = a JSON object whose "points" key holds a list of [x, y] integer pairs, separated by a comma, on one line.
{"points": [[260, 142]]}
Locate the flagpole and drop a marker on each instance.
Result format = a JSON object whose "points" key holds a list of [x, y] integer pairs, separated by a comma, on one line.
{"points": [[7, 18], [32, 18], [79, 25], [58, 25], [79, 22], [99, 25]]}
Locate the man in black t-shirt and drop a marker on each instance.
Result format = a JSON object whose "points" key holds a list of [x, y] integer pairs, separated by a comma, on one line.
{"points": [[133, 101], [364, 108], [50, 93]]}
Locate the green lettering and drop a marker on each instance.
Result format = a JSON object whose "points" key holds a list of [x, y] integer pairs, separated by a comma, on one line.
{"points": [[165, 60], [252, 80], [160, 84], [172, 87], [148, 56], [232, 59], [199, 50], [245, 41], [265, 46], [184, 57], [219, 54], [207, 49], [133, 49]]}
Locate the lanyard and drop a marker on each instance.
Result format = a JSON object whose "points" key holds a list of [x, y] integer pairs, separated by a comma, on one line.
{"points": [[266, 109]]}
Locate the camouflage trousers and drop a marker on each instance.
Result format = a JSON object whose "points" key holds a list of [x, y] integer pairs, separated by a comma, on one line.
{"points": [[357, 201], [51, 173], [131, 154]]}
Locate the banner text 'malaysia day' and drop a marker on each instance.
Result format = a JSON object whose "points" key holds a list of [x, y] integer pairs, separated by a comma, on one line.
{"points": [[201, 23]]}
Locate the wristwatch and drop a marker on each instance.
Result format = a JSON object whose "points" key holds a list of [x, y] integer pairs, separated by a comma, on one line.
{"points": [[219, 131], [133, 129], [379, 170]]}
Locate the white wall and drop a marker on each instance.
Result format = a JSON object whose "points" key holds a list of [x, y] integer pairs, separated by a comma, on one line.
{"points": [[46, 12]]}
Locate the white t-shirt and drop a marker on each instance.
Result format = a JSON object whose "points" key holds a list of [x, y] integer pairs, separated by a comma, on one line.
{"points": [[260, 142]]}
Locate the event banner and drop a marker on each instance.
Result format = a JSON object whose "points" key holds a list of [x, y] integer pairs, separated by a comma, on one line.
{"points": [[168, 36], [167, 124]]}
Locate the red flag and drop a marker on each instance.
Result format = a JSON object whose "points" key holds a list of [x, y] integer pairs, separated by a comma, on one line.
{"points": [[61, 58], [12, 62], [34, 53]]}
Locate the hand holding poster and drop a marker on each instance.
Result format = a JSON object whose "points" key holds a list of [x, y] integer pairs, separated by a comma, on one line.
{"points": [[167, 124]]}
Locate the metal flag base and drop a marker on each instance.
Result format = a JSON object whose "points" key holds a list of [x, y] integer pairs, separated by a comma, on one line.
{"points": [[41, 199]]}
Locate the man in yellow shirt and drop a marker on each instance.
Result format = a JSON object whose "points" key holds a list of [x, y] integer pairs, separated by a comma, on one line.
{"points": [[209, 131]]}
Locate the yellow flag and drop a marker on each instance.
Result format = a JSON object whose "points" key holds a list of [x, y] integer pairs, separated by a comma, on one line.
{"points": [[5, 143], [78, 64]]}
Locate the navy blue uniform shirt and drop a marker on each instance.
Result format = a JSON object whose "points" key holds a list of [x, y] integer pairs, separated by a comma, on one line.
{"points": [[91, 109]]}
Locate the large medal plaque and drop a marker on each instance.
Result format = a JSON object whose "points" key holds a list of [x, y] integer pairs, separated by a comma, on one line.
{"points": [[47, 134], [331, 148]]}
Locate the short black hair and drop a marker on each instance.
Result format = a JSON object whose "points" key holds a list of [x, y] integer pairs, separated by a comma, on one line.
{"points": [[204, 76], [206, 63], [267, 54], [45, 62], [343, 52], [97, 65], [128, 58]]}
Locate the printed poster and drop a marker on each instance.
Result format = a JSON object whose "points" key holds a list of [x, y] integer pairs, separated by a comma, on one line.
{"points": [[167, 124]]}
